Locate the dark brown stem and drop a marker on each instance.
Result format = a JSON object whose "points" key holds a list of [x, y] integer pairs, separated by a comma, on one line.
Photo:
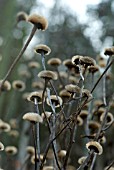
{"points": [[109, 166], [50, 141], [34, 139], [60, 79], [85, 164], [43, 60], [69, 146], [37, 131], [49, 128], [108, 66], [19, 56]]}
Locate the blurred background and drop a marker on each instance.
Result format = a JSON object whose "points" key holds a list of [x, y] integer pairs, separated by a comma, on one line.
{"points": [[75, 28]]}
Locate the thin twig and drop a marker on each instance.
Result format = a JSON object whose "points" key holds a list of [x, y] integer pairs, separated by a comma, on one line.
{"points": [[69, 145], [19, 56], [37, 131], [43, 60], [34, 139], [109, 166], [108, 66]]}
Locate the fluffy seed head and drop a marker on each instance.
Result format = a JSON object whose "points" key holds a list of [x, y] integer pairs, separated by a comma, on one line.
{"points": [[55, 100], [39, 49], [1, 146], [73, 80], [46, 74], [82, 159], [95, 146], [102, 140], [86, 93], [71, 88], [109, 118], [83, 114], [98, 103], [93, 125], [109, 51], [33, 64], [11, 150], [33, 117], [6, 86], [30, 150], [4, 127], [102, 63], [79, 121], [62, 153], [18, 85], [37, 85], [76, 59], [33, 159], [93, 69], [54, 62], [68, 63], [64, 94], [99, 111], [35, 95], [21, 16], [14, 133], [87, 61], [48, 114], [39, 21]]}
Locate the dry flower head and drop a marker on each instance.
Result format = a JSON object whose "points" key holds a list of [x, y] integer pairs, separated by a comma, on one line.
{"points": [[56, 100], [1, 146], [71, 88], [82, 159], [4, 127], [35, 95], [54, 62], [109, 51], [22, 16], [6, 86], [11, 150], [46, 74], [18, 85], [33, 117], [39, 21], [42, 49], [30, 150], [93, 145]]}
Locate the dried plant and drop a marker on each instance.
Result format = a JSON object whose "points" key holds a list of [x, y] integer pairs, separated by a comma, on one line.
{"points": [[63, 103]]}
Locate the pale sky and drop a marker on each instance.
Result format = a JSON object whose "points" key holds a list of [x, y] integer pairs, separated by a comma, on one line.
{"points": [[76, 6]]}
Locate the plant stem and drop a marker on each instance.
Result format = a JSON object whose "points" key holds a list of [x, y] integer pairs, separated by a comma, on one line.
{"points": [[19, 56], [34, 139], [108, 66], [112, 163], [37, 131], [43, 60], [89, 116], [93, 162], [72, 137], [49, 128]]}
